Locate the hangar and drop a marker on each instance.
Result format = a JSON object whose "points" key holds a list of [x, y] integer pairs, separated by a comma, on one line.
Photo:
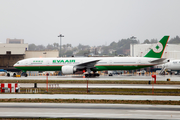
{"points": [[15, 49], [172, 51]]}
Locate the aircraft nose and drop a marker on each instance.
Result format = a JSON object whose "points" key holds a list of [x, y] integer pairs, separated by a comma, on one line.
{"points": [[16, 64]]}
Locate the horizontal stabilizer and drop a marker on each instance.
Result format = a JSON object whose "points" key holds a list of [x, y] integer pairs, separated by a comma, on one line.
{"points": [[160, 60]]}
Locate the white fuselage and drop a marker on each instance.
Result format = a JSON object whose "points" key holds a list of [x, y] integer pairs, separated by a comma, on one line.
{"points": [[173, 65], [104, 63]]}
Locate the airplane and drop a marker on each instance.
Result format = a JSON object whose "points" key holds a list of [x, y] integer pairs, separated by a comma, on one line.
{"points": [[70, 65], [170, 66]]}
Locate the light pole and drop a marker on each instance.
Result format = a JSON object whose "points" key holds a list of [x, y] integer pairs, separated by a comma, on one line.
{"points": [[60, 43]]}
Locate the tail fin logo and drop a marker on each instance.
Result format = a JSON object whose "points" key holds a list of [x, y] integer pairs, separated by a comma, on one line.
{"points": [[158, 48]]}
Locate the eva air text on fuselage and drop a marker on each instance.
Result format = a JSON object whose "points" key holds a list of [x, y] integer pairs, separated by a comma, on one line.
{"points": [[63, 61]]}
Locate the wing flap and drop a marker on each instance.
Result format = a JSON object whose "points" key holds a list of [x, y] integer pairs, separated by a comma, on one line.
{"points": [[88, 64]]}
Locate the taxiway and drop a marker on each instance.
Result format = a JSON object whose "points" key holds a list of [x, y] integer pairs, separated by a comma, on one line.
{"points": [[115, 77], [78, 110], [90, 97]]}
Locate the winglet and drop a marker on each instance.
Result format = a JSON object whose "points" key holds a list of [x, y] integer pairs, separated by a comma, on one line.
{"points": [[158, 50]]}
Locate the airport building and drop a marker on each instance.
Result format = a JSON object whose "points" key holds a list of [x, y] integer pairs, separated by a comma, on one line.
{"points": [[14, 41], [41, 54], [15, 49], [10, 53], [172, 51]]}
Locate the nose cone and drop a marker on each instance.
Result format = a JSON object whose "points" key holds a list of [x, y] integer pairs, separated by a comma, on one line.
{"points": [[16, 64]]}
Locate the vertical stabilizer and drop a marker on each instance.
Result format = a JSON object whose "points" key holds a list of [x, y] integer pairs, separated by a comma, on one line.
{"points": [[158, 50]]}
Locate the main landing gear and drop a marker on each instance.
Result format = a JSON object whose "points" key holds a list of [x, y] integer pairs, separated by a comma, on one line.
{"points": [[91, 75]]}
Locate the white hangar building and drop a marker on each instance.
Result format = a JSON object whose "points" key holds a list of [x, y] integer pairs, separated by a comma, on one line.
{"points": [[172, 51]]}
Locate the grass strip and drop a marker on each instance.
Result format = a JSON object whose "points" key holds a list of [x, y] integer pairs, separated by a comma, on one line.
{"points": [[155, 102], [103, 91], [91, 81]]}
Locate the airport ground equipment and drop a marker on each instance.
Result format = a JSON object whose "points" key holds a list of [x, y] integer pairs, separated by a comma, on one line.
{"points": [[2, 70]]}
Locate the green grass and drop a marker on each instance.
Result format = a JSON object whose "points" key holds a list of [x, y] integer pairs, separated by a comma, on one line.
{"points": [[155, 102], [91, 81], [102, 91]]}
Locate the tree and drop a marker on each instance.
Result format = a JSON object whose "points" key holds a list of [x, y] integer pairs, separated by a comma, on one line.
{"points": [[49, 47], [146, 41], [56, 45], [40, 47], [32, 47], [175, 40], [154, 41], [113, 45], [69, 53], [82, 52], [105, 50]]}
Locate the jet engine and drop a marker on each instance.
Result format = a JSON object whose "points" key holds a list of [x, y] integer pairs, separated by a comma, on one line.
{"points": [[68, 69]]}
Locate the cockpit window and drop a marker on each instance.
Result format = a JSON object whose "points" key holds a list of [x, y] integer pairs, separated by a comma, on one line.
{"points": [[17, 63]]}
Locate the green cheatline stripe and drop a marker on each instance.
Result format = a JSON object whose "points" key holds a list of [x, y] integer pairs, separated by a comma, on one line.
{"points": [[99, 68]]}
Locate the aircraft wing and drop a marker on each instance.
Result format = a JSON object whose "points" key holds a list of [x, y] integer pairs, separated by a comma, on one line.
{"points": [[158, 61], [88, 64]]}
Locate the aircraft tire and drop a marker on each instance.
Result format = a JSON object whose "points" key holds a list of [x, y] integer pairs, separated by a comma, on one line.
{"points": [[14, 74], [97, 74], [8, 74], [110, 74], [26, 75], [86, 75]]}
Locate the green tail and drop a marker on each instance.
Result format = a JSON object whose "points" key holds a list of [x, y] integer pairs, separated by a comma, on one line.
{"points": [[158, 50]]}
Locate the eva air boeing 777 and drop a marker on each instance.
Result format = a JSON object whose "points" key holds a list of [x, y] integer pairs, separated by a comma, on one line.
{"points": [[70, 65]]}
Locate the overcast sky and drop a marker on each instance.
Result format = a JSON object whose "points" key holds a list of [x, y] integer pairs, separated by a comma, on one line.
{"points": [[88, 22]]}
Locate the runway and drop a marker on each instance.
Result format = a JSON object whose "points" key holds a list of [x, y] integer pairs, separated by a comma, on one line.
{"points": [[142, 86], [89, 97], [115, 77], [78, 110]]}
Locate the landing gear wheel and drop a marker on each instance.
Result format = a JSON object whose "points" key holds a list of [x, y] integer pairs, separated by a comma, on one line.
{"points": [[14, 75], [86, 75], [26, 75], [96, 74], [8, 74], [92, 75], [110, 74]]}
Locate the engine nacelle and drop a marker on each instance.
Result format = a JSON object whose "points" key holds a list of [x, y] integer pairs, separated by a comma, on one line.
{"points": [[68, 69]]}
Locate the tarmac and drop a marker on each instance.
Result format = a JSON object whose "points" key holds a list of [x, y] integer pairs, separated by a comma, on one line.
{"points": [[89, 111], [115, 77], [90, 97]]}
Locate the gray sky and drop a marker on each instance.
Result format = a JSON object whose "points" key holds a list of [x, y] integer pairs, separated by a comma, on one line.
{"points": [[89, 22]]}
